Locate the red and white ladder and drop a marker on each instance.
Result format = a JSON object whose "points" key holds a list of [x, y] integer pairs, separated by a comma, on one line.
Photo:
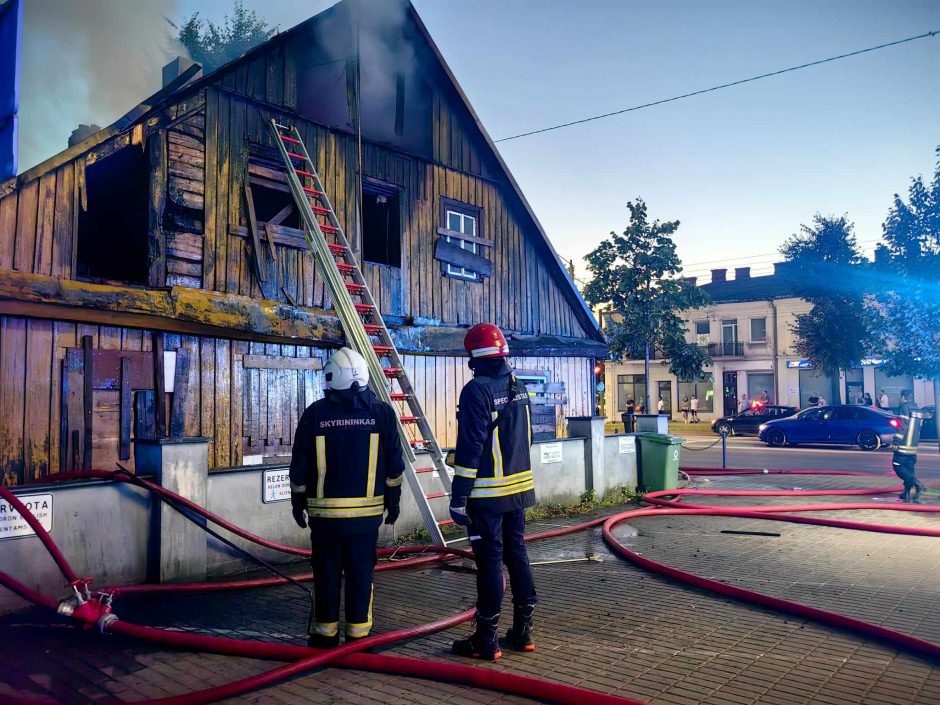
{"points": [[363, 325]]}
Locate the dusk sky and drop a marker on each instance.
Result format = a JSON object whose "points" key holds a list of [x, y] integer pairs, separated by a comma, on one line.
{"points": [[741, 168]]}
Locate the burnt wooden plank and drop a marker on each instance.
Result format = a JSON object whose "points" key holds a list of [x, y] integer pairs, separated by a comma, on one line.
{"points": [[277, 362], [212, 186], [7, 229], [62, 233], [25, 245], [260, 269], [156, 242], [180, 394], [12, 398], [88, 399], [124, 440], [183, 267], [145, 425], [452, 254], [45, 224], [223, 397]]}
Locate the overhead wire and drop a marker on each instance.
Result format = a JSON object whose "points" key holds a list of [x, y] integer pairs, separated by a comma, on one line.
{"points": [[719, 87]]}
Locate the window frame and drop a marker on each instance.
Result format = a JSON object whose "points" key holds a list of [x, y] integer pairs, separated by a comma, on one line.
{"points": [[377, 187], [464, 210], [751, 338]]}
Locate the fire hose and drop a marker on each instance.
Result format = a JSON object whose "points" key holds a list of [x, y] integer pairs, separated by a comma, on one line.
{"points": [[304, 659]]}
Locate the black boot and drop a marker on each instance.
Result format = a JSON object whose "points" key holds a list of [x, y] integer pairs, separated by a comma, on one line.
{"points": [[482, 644], [318, 641], [919, 488], [519, 635]]}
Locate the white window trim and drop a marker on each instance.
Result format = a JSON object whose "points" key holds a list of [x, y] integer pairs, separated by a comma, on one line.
{"points": [[750, 330], [452, 270]]}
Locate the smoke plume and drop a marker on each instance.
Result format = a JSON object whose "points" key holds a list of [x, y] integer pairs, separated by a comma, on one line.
{"points": [[87, 61]]}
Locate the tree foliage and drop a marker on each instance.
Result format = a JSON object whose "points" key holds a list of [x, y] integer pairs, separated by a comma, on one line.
{"points": [[637, 274], [909, 285], [213, 45], [825, 269]]}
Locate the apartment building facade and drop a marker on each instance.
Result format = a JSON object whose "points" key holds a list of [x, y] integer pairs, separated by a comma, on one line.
{"points": [[748, 331]]}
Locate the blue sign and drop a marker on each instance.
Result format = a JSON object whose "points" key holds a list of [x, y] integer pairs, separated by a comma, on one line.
{"points": [[800, 364], [601, 387]]}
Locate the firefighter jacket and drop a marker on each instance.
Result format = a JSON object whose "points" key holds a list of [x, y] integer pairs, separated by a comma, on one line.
{"points": [[907, 438], [346, 458], [491, 464]]}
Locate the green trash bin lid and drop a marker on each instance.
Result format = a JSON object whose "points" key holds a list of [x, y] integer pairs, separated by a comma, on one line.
{"points": [[663, 439]]}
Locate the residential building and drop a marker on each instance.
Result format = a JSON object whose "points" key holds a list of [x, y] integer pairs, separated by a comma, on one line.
{"points": [[748, 331]]}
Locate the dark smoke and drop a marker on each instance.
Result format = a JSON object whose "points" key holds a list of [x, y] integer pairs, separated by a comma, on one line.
{"points": [[87, 61]]}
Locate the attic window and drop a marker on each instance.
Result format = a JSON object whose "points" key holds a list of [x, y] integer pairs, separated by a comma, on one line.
{"points": [[112, 230], [272, 198], [462, 249]]}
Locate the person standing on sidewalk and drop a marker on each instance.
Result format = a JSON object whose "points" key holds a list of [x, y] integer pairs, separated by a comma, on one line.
{"points": [[492, 487], [345, 472], [693, 407]]}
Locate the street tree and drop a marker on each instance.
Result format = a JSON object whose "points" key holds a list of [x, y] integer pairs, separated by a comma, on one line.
{"points": [[909, 283], [213, 45], [636, 273], [825, 270]]}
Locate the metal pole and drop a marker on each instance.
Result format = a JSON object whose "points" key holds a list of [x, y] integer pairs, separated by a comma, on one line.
{"points": [[646, 378], [724, 450]]}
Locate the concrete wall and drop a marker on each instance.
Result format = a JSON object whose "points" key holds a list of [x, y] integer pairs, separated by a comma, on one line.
{"points": [[104, 528]]}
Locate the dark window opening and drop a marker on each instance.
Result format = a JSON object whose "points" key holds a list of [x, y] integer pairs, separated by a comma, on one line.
{"points": [[270, 203], [112, 231], [381, 227]]}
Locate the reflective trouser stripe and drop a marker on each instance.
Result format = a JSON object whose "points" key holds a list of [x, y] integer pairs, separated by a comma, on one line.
{"points": [[373, 461], [321, 464], [324, 628], [361, 629], [394, 481]]}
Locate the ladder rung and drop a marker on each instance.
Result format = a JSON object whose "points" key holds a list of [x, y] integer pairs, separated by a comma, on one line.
{"points": [[419, 442], [328, 228], [294, 155], [398, 396], [281, 127], [382, 349], [392, 372], [363, 308], [336, 249], [320, 210], [301, 172], [345, 269], [312, 192], [445, 522], [418, 471], [408, 419], [290, 139], [437, 495], [355, 288], [372, 328]]}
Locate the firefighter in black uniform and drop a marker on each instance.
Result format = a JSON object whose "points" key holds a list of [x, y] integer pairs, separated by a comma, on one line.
{"points": [[345, 472], [904, 445], [492, 487]]}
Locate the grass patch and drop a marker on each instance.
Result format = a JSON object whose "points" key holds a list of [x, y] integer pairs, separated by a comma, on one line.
{"points": [[676, 428]]}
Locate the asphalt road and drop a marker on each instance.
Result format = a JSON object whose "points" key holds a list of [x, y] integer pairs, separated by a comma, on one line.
{"points": [[748, 452]]}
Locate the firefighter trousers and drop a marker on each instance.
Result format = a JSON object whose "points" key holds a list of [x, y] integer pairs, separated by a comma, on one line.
{"points": [[336, 552], [497, 538], [905, 468]]}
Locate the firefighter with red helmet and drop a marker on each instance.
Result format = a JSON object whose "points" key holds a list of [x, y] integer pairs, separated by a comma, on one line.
{"points": [[345, 473], [492, 487]]}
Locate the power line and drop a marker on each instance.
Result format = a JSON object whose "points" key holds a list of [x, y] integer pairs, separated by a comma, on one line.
{"points": [[926, 35], [687, 265]]}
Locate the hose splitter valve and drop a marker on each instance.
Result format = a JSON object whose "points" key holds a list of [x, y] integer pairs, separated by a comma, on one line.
{"points": [[85, 608]]}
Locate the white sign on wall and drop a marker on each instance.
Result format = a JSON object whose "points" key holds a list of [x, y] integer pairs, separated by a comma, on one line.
{"points": [[276, 486], [627, 445], [12, 525], [551, 453]]}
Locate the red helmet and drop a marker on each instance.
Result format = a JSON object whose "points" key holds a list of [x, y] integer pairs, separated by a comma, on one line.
{"points": [[486, 340]]}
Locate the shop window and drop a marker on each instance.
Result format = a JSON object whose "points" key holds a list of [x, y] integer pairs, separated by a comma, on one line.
{"points": [[758, 330], [703, 390], [630, 387], [112, 230], [381, 226]]}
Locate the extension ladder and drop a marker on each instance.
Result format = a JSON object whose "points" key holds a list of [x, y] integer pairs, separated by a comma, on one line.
{"points": [[362, 323]]}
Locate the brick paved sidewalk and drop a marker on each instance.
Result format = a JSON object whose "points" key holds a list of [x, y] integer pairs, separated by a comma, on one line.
{"points": [[607, 626]]}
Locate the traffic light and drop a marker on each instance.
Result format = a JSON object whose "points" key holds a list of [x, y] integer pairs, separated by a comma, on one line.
{"points": [[599, 369]]}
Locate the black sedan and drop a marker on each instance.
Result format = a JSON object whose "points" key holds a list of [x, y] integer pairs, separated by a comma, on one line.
{"points": [[749, 420]]}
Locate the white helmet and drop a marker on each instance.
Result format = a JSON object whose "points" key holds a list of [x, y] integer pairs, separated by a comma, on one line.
{"points": [[345, 368]]}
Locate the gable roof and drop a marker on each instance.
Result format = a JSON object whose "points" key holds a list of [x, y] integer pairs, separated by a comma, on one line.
{"points": [[180, 88]]}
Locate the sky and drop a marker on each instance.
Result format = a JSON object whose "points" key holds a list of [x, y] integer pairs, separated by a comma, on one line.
{"points": [[740, 168]]}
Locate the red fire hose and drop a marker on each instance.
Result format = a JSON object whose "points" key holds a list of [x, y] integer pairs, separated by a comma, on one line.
{"points": [[304, 658]]}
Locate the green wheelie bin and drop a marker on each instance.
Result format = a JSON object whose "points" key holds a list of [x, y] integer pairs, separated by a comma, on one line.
{"points": [[659, 461]]}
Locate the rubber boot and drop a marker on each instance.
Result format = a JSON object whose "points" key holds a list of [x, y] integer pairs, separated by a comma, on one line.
{"points": [[904, 496], [318, 641], [919, 487], [482, 644], [519, 636]]}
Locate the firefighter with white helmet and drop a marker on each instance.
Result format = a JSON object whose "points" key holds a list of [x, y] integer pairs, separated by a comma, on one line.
{"points": [[492, 487], [345, 473]]}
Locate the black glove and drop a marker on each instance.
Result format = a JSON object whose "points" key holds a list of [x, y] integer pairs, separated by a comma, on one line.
{"points": [[458, 511], [299, 517], [392, 504]]}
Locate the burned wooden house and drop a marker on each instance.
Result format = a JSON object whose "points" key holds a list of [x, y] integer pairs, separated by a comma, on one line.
{"points": [[155, 280]]}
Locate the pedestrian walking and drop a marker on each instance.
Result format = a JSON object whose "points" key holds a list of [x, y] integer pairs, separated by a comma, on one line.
{"points": [[904, 446], [492, 487], [345, 473]]}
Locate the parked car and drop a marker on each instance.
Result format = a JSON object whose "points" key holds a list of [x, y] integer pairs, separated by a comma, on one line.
{"points": [[928, 431], [749, 420], [846, 424]]}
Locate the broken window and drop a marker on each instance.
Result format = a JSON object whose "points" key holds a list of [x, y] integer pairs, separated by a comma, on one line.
{"points": [[112, 230], [381, 225], [272, 198], [462, 228]]}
